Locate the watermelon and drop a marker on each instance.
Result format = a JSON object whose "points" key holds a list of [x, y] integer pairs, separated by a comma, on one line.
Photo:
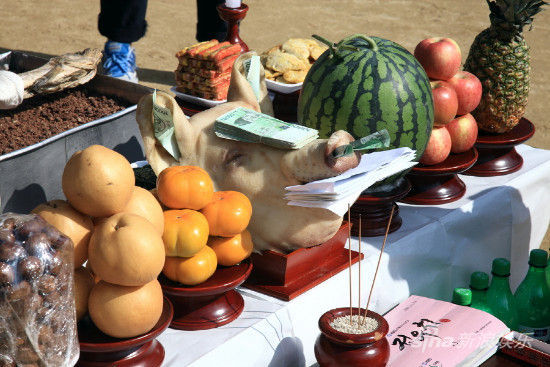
{"points": [[366, 84]]}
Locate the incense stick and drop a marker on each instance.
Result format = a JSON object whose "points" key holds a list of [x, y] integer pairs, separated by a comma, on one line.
{"points": [[379, 259], [359, 287], [349, 253]]}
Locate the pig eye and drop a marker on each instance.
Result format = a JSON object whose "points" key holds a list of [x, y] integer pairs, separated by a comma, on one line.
{"points": [[234, 158]]}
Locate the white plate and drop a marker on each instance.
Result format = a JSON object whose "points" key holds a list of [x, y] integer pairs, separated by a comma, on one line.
{"points": [[282, 87], [139, 164], [197, 100]]}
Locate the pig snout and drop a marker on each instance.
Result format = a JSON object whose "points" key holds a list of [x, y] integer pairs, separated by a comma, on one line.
{"points": [[341, 164], [315, 161]]}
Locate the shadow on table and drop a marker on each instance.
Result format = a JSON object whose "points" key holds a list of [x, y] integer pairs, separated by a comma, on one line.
{"points": [[289, 352], [26, 199], [156, 76], [497, 223]]}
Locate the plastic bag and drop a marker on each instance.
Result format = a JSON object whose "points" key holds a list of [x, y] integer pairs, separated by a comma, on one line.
{"points": [[37, 312]]}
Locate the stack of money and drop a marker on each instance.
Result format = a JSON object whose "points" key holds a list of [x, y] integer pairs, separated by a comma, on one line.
{"points": [[204, 69], [250, 126]]}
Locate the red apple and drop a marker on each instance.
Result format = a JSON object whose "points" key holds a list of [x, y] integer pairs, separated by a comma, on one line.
{"points": [[440, 57], [439, 147], [468, 90], [463, 132], [445, 102]]}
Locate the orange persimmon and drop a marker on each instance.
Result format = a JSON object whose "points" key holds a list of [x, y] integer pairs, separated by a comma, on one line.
{"points": [[231, 251], [185, 232], [228, 213], [185, 187], [191, 270]]}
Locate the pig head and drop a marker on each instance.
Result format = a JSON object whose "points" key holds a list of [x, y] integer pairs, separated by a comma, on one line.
{"points": [[258, 171]]}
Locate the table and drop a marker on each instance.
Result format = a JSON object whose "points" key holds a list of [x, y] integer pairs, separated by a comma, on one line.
{"points": [[435, 250]]}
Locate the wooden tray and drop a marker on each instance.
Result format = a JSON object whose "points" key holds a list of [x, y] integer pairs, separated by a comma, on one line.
{"points": [[210, 304], [100, 350], [286, 276]]}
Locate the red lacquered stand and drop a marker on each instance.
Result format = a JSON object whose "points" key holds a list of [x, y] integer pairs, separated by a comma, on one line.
{"points": [[286, 276], [440, 184], [210, 304], [233, 17], [334, 348], [497, 152], [100, 350], [376, 210], [285, 105], [188, 108]]}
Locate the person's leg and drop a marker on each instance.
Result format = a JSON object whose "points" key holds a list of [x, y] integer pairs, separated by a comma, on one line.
{"points": [[209, 24], [122, 22]]}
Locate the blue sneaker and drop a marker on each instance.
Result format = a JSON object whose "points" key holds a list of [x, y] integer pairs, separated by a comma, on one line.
{"points": [[119, 61]]}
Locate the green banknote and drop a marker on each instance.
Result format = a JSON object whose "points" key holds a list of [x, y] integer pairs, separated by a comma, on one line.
{"points": [[250, 126], [163, 126]]}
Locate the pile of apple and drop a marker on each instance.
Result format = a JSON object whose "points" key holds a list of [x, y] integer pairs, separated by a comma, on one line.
{"points": [[202, 228], [456, 93]]}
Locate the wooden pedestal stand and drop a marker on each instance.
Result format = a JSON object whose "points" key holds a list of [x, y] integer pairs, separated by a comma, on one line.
{"points": [[233, 16], [375, 211], [285, 105], [100, 350], [210, 304], [189, 109], [286, 276], [440, 184], [497, 155]]}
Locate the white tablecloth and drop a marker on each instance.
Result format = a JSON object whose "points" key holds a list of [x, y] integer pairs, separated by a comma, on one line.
{"points": [[435, 250]]}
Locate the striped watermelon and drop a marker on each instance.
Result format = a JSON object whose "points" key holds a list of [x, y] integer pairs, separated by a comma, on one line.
{"points": [[365, 84]]}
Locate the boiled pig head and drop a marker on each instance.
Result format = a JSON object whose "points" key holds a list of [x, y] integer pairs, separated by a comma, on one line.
{"points": [[258, 171]]}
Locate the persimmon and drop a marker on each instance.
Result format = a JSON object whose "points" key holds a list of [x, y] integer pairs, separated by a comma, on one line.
{"points": [[228, 213], [185, 187], [185, 232], [231, 251], [191, 270]]}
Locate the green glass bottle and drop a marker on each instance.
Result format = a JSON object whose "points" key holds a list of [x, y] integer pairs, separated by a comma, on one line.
{"points": [[479, 284], [499, 296], [533, 298], [462, 296]]}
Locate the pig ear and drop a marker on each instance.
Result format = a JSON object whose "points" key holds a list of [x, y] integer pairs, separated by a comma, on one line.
{"points": [[240, 90], [156, 155]]}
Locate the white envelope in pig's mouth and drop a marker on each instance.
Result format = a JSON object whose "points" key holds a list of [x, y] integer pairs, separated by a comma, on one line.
{"points": [[336, 193]]}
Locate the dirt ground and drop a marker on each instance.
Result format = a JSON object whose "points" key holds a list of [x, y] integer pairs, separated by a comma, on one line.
{"points": [[58, 26]]}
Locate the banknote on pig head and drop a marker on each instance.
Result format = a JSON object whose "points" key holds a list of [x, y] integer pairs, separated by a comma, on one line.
{"points": [[259, 171]]}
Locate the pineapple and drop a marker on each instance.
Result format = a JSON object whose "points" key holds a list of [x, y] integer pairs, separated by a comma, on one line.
{"points": [[499, 57]]}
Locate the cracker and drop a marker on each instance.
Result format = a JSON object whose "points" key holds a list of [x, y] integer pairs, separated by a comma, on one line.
{"points": [[316, 51], [280, 61], [295, 76], [297, 47]]}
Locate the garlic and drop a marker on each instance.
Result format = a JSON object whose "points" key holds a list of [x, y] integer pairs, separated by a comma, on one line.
{"points": [[11, 90]]}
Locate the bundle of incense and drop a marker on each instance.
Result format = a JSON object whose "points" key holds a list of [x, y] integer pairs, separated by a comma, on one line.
{"points": [[204, 69], [192, 78], [191, 51], [220, 66], [204, 73], [212, 95], [215, 89]]}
